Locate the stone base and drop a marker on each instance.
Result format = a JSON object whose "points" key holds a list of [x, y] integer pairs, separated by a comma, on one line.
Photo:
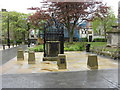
{"points": [[20, 48], [31, 62], [20, 55], [92, 62], [62, 61], [20, 59], [95, 67], [50, 58], [31, 58]]}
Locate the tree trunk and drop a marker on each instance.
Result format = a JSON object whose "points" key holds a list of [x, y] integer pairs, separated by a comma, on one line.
{"points": [[105, 31], [40, 40], [71, 39], [23, 33], [99, 32], [71, 34], [105, 34]]}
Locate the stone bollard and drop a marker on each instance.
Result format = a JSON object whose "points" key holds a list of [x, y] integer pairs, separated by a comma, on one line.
{"points": [[92, 62], [20, 48], [31, 57], [61, 62], [20, 55], [3, 46]]}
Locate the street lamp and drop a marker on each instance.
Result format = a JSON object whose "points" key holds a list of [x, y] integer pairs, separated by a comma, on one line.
{"points": [[28, 25], [8, 35]]}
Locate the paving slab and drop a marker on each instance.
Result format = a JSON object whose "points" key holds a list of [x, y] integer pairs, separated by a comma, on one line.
{"points": [[72, 79], [76, 61], [45, 74], [8, 54]]}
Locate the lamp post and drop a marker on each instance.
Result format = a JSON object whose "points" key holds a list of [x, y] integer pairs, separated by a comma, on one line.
{"points": [[8, 34], [3, 42], [28, 25]]}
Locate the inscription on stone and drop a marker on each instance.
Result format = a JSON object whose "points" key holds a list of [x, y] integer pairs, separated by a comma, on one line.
{"points": [[62, 60]]}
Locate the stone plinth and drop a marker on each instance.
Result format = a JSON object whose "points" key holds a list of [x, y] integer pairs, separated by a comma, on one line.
{"points": [[52, 48], [50, 58], [20, 55], [92, 62], [62, 61], [113, 38], [31, 58]]}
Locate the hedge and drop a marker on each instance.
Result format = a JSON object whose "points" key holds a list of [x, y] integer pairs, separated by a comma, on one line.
{"points": [[99, 40]]}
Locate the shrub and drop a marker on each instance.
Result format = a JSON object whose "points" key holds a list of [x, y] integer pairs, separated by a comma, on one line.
{"points": [[11, 41], [38, 48], [19, 41], [100, 40], [84, 39], [74, 46], [4, 41]]}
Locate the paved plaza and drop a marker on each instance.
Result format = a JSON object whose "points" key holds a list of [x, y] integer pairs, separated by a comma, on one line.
{"points": [[76, 61], [45, 74], [73, 79], [6, 47], [10, 53]]}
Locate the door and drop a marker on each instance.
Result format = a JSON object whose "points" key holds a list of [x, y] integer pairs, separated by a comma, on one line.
{"points": [[90, 38]]}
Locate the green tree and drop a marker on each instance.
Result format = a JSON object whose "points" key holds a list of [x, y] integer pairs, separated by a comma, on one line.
{"points": [[17, 25], [37, 21], [104, 23]]}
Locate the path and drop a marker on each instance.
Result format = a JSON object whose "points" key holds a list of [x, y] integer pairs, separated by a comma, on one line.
{"points": [[77, 79], [21, 75], [76, 61], [9, 54]]}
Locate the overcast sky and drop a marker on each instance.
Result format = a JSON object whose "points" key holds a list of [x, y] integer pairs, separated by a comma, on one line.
{"points": [[22, 5]]}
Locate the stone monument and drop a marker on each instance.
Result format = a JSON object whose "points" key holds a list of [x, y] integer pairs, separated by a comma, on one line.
{"points": [[53, 48], [113, 38], [114, 35]]}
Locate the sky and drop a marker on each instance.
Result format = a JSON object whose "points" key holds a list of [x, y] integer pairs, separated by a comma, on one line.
{"points": [[22, 5]]}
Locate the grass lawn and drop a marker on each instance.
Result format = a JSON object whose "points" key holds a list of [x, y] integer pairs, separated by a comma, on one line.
{"points": [[75, 46], [97, 44]]}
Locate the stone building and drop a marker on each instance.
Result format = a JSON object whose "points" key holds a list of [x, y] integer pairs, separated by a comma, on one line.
{"points": [[114, 35], [113, 38]]}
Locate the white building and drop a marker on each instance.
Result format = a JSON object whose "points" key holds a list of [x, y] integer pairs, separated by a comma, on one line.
{"points": [[86, 30], [86, 33]]}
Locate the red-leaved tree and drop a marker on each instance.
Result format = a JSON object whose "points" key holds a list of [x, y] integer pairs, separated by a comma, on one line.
{"points": [[71, 14], [38, 19]]}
